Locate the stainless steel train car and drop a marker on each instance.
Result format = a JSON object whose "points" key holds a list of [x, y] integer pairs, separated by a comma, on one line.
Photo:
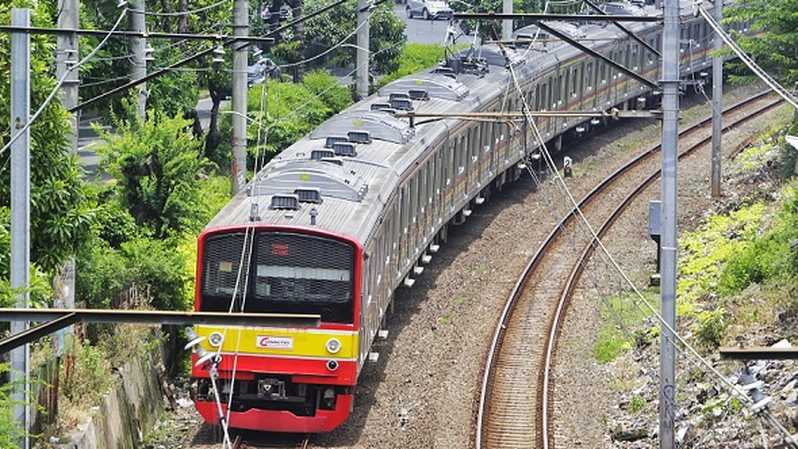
{"points": [[338, 221]]}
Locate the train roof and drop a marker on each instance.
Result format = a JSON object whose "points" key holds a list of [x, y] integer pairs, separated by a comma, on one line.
{"points": [[346, 169]]}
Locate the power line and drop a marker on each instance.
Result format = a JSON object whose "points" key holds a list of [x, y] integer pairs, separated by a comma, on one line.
{"points": [[61, 83], [772, 83], [735, 391], [129, 33], [199, 55], [179, 14]]}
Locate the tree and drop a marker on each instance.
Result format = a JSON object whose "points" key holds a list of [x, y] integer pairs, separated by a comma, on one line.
{"points": [[290, 111], [157, 164], [61, 215], [772, 39], [385, 39], [173, 93]]}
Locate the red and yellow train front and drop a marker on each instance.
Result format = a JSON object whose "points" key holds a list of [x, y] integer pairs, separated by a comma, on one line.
{"points": [[286, 380]]}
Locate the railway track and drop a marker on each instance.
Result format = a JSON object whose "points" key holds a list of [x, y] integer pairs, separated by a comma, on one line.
{"points": [[517, 389], [261, 442]]}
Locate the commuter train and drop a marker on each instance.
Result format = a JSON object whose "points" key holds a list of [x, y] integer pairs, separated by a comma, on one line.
{"points": [[338, 221]]}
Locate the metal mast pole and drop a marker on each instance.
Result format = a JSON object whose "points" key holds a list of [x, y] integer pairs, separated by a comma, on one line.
{"points": [[241, 28], [670, 142], [362, 79], [138, 45], [20, 211], [67, 57], [507, 25], [717, 104]]}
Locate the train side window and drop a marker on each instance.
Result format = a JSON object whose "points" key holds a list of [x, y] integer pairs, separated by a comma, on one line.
{"points": [[449, 163], [414, 199], [574, 81], [422, 190], [589, 76], [460, 158]]}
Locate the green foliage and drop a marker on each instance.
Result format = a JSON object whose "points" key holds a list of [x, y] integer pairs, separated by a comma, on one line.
{"points": [[711, 327], [105, 273], [60, 213], [706, 251], [773, 39], [157, 164], [415, 57], [636, 404], [174, 93], [621, 326], [10, 433], [292, 110], [766, 256], [385, 39], [326, 87]]}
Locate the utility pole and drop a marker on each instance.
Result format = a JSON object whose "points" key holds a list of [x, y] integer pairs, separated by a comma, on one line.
{"points": [[20, 211], [717, 104], [138, 46], [66, 58], [670, 148], [362, 81], [507, 24], [241, 28]]}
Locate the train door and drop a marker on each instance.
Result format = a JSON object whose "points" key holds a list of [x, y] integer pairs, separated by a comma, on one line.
{"points": [[423, 208], [484, 145]]}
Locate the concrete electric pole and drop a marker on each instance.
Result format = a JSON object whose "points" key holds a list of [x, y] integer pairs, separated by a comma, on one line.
{"points": [[66, 58], [20, 211], [362, 75], [138, 46], [670, 148], [241, 28], [507, 24], [717, 104]]}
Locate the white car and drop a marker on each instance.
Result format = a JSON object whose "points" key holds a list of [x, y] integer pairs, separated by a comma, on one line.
{"points": [[428, 9]]}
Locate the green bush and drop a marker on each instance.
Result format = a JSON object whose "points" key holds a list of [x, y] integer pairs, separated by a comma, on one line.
{"points": [[292, 110], [711, 327], [10, 433], [415, 57], [105, 273], [157, 164]]}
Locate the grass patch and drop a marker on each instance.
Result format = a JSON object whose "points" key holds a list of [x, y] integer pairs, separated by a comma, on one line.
{"points": [[636, 404], [623, 325]]}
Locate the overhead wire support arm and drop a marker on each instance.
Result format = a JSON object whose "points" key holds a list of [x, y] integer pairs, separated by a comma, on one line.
{"points": [[628, 32], [56, 319], [551, 16], [129, 33], [598, 55], [510, 116]]}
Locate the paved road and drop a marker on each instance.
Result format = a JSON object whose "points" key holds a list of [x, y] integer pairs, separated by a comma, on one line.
{"points": [[422, 31]]}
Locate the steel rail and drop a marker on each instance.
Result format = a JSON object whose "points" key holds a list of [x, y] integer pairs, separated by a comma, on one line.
{"points": [[578, 269], [537, 258]]}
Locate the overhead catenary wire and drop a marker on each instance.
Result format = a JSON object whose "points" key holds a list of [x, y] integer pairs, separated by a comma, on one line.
{"points": [[325, 52], [203, 53], [180, 13], [679, 339], [60, 83], [758, 71]]}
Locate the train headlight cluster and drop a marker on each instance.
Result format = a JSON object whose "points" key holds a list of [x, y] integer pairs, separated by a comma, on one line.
{"points": [[333, 345], [215, 339]]}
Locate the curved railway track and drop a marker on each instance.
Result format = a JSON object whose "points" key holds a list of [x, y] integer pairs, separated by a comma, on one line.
{"points": [[516, 394]]}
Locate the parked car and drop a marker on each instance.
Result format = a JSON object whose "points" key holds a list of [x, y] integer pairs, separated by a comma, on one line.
{"points": [[428, 9], [285, 14]]}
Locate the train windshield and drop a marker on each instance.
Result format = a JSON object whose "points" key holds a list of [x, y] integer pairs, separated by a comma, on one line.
{"points": [[287, 273]]}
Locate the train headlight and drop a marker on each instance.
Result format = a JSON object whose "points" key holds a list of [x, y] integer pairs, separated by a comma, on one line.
{"points": [[215, 339], [333, 345]]}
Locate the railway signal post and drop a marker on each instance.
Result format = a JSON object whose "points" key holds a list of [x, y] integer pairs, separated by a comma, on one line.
{"points": [[717, 103], [20, 210], [670, 150]]}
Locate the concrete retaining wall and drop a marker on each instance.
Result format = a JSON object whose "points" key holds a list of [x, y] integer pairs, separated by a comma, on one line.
{"points": [[126, 413]]}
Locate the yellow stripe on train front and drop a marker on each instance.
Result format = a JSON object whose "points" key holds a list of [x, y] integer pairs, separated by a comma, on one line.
{"points": [[284, 342]]}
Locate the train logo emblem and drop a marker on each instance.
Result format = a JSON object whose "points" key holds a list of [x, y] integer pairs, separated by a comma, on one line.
{"points": [[271, 342]]}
